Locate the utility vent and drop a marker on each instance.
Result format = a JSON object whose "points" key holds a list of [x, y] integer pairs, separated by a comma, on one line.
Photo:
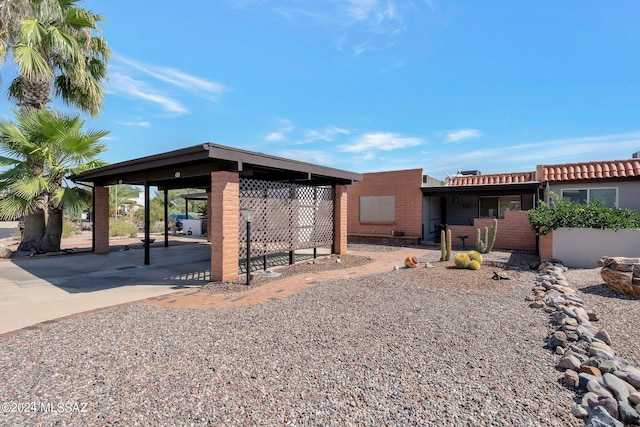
{"points": [[636, 155], [463, 173]]}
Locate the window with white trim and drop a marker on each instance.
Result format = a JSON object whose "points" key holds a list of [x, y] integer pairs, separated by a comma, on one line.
{"points": [[608, 196]]}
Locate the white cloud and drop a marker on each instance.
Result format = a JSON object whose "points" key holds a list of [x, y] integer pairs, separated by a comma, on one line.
{"points": [[328, 134], [380, 141], [457, 135], [192, 84], [129, 87], [141, 123], [309, 156], [275, 137]]}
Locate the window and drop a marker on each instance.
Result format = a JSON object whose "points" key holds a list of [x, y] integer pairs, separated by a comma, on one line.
{"points": [[608, 196], [495, 207], [377, 208]]}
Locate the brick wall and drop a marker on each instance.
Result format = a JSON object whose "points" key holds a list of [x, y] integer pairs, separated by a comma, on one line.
{"points": [[101, 220], [341, 204], [224, 209], [514, 232], [405, 186]]}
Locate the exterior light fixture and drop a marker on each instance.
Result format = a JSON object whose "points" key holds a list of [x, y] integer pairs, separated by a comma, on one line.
{"points": [[248, 215]]}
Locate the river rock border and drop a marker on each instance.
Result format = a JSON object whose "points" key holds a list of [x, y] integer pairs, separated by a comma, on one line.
{"points": [[608, 384]]}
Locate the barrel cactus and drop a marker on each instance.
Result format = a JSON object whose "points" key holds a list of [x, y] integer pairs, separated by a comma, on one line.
{"points": [[475, 256], [474, 265], [461, 260]]}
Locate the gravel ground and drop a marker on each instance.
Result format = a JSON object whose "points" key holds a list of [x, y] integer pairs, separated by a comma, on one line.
{"points": [[426, 346], [619, 314]]}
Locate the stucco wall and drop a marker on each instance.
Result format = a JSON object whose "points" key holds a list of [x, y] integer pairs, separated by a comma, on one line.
{"points": [[405, 186], [628, 191], [583, 247]]}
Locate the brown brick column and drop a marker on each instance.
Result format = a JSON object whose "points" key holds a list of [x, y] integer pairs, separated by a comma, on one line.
{"points": [[210, 209], [340, 220], [101, 220], [224, 208], [546, 246]]}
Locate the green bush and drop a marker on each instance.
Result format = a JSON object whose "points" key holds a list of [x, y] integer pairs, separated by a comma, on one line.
{"points": [[122, 228], [69, 228], [559, 213]]}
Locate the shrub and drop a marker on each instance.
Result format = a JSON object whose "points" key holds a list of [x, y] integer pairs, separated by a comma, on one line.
{"points": [[559, 213], [475, 256], [122, 228], [474, 265], [461, 260], [68, 228]]}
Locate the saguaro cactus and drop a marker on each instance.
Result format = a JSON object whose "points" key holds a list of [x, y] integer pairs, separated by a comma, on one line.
{"points": [[485, 245], [445, 245]]}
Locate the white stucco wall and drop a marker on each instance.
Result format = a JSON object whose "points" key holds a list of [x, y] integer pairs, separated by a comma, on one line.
{"points": [[583, 247]]}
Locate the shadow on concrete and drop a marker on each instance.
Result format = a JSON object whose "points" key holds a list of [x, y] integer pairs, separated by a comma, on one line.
{"points": [[180, 265]]}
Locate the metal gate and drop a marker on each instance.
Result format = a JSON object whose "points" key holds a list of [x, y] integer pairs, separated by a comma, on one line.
{"points": [[288, 217]]}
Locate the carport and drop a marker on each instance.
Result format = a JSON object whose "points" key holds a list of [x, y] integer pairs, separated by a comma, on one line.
{"points": [[298, 205]]}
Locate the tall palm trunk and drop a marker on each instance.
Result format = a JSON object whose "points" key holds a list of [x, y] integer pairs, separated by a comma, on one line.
{"points": [[34, 231], [53, 232]]}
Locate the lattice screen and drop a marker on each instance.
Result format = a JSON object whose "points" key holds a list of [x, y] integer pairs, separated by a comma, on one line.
{"points": [[288, 217]]}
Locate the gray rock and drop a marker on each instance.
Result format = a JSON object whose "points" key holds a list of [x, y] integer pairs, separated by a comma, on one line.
{"points": [[585, 378], [595, 387], [569, 362], [589, 396], [617, 387], [609, 366], [569, 312], [600, 353], [581, 315], [579, 411], [559, 350], [557, 339], [5, 252], [634, 379], [602, 346], [601, 418], [571, 378], [610, 404], [603, 336], [628, 414]]}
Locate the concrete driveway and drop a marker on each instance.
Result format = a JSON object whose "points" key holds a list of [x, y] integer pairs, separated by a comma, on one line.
{"points": [[34, 290]]}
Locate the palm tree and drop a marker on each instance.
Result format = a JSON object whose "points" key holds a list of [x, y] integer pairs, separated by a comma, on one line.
{"points": [[40, 150], [58, 52]]}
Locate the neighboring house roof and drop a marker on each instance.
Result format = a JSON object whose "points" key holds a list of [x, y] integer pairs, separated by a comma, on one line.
{"points": [[606, 169], [496, 178]]}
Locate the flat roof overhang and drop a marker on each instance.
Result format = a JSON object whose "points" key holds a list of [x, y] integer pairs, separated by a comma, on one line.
{"points": [[483, 190], [191, 168]]}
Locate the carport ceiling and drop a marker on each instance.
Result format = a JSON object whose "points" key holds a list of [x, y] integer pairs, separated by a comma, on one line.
{"points": [[191, 168]]}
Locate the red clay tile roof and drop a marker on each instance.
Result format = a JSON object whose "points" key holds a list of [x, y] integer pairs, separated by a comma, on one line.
{"points": [[590, 170], [497, 178]]}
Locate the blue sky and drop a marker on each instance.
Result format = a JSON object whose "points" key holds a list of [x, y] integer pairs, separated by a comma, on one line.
{"points": [[371, 85]]}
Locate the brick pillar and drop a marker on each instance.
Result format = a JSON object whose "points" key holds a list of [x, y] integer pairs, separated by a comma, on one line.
{"points": [[340, 220], [101, 220], [210, 209], [224, 209], [546, 246]]}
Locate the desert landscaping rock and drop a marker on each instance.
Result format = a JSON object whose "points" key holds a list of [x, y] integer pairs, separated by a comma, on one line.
{"points": [[608, 377], [409, 347]]}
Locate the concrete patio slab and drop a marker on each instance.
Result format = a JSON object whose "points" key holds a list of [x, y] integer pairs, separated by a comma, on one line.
{"points": [[34, 290]]}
